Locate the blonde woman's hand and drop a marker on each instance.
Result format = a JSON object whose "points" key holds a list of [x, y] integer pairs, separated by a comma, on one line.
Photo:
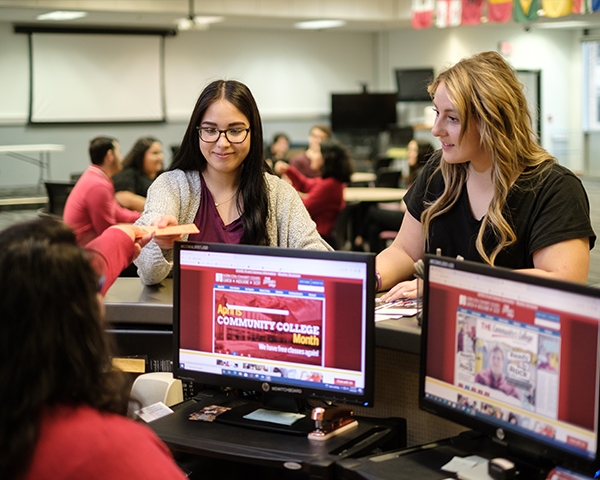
{"points": [[402, 290]]}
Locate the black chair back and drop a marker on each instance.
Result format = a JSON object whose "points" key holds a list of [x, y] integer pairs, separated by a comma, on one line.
{"points": [[387, 177], [341, 235], [57, 196]]}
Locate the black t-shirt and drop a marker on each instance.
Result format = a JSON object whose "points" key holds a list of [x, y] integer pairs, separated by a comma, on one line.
{"points": [[132, 180], [542, 209]]}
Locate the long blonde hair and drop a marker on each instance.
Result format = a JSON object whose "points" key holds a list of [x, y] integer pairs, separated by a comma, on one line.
{"points": [[485, 91]]}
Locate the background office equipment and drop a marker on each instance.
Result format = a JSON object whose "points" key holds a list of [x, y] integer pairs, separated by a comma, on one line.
{"points": [[412, 84], [289, 324], [154, 387], [514, 357], [362, 112]]}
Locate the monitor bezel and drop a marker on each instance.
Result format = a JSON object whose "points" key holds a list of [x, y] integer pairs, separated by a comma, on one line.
{"points": [[428, 74], [385, 120], [519, 444], [367, 397]]}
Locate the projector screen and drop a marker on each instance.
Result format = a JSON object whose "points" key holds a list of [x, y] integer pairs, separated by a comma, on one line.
{"points": [[86, 78]]}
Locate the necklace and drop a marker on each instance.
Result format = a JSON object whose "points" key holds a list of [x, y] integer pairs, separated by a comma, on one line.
{"points": [[229, 199]]}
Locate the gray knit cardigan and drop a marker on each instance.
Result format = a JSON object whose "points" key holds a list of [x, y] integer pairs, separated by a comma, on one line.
{"points": [[177, 193]]}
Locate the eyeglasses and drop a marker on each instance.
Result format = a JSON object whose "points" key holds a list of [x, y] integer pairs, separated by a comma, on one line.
{"points": [[212, 135]]}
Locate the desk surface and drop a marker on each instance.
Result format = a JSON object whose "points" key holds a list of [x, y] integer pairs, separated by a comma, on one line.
{"points": [[265, 448], [373, 194], [129, 302], [46, 147], [363, 177]]}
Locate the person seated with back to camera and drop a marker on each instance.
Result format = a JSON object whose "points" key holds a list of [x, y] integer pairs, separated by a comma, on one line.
{"points": [[492, 194], [325, 194], [278, 150], [388, 216], [63, 414], [141, 166], [308, 162], [220, 181], [91, 206]]}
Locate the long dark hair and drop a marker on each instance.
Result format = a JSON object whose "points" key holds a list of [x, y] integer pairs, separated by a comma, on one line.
{"points": [[336, 161], [53, 347], [135, 157], [253, 186]]}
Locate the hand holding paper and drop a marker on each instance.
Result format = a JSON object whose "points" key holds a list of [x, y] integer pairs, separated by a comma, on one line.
{"points": [[173, 230]]}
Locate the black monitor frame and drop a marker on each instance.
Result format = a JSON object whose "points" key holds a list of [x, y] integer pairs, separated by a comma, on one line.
{"points": [[244, 383], [528, 448], [363, 112], [412, 84]]}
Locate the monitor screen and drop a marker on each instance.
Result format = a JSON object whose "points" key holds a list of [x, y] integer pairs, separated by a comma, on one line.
{"points": [[290, 322], [412, 84], [351, 112], [513, 356]]}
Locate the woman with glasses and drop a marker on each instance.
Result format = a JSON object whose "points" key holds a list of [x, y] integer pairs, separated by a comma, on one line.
{"points": [[219, 180]]}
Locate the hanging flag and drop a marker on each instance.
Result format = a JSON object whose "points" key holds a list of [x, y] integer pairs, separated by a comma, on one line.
{"points": [[471, 12], [500, 11], [448, 13], [557, 8], [422, 13], [525, 11], [595, 5], [582, 6]]}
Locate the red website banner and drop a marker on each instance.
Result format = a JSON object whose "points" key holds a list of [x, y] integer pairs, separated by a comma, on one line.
{"points": [[343, 312], [579, 337], [272, 327]]}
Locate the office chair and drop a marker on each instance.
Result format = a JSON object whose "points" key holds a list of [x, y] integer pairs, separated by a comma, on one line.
{"points": [[57, 196], [341, 235], [387, 177]]}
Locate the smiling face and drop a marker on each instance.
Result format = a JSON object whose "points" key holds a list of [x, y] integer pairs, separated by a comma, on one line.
{"points": [[447, 128], [224, 156], [153, 160], [496, 362]]}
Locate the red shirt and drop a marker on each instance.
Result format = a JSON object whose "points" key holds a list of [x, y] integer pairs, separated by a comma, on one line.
{"points": [[83, 443], [110, 253], [325, 198], [91, 207]]}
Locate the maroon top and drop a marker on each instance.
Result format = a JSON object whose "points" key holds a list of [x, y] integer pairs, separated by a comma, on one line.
{"points": [[211, 226]]}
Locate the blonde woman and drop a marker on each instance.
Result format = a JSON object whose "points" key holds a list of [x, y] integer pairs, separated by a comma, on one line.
{"points": [[491, 194]]}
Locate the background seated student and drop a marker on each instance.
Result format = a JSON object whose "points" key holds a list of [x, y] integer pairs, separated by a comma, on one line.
{"points": [[492, 194], [219, 181], [325, 194], [63, 411], [388, 216], [278, 150], [308, 163], [141, 166], [91, 207]]}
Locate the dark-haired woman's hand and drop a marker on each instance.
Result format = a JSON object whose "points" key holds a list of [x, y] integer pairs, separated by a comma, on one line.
{"points": [[165, 242]]}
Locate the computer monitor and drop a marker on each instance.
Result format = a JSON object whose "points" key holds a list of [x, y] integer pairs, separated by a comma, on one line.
{"points": [[412, 84], [284, 322], [515, 357], [363, 112]]}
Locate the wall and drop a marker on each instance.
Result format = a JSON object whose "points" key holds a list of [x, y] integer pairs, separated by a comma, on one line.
{"points": [[292, 74], [556, 53]]}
